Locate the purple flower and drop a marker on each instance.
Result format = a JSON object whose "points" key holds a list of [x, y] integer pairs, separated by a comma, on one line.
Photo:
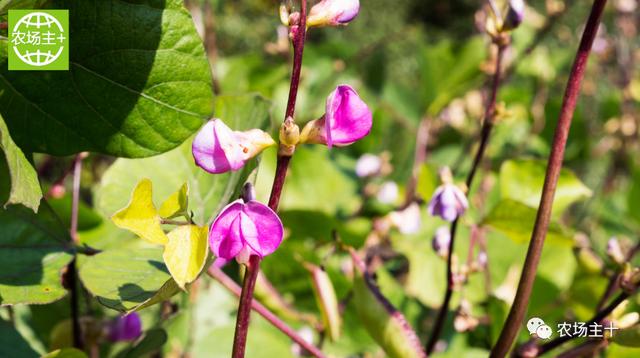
{"points": [[125, 328], [441, 240], [245, 229], [218, 149], [333, 12], [448, 201], [515, 15], [346, 120]]}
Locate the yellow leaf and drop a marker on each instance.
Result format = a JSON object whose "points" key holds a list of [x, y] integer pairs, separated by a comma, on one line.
{"points": [[186, 253], [176, 204], [141, 216]]}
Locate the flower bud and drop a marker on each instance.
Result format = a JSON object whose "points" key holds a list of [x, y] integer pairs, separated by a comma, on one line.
{"points": [[614, 251], [368, 165], [347, 119], [57, 191], [218, 149], [245, 229], [284, 14], [408, 221], [125, 328], [448, 201], [333, 13], [515, 15], [289, 136], [305, 333], [388, 193], [441, 240], [483, 259]]}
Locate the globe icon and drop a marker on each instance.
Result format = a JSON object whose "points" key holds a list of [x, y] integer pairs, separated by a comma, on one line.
{"points": [[38, 21]]}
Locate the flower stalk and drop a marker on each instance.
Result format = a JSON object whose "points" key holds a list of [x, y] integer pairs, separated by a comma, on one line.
{"points": [[230, 285], [519, 307], [485, 133], [253, 267]]}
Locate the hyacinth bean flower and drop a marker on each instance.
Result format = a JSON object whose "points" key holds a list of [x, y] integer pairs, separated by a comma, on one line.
{"points": [[347, 119], [245, 229], [448, 201], [219, 149], [333, 13], [441, 240], [125, 328], [515, 15]]}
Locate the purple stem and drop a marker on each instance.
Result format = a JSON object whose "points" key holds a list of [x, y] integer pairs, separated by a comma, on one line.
{"points": [[230, 285], [519, 307], [246, 297], [244, 309], [485, 133]]}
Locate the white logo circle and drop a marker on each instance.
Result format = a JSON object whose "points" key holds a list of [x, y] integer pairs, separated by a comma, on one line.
{"points": [[38, 19]]}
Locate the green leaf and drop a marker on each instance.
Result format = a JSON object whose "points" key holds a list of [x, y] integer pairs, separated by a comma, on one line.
{"points": [[522, 180], [516, 221], [34, 250], [300, 193], [384, 322], [12, 344], [448, 72], [127, 280], [207, 193], [66, 353], [177, 204], [186, 253], [137, 94], [18, 179], [141, 216], [628, 337]]}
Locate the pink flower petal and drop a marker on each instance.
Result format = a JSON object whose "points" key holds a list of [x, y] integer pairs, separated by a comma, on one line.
{"points": [[225, 240], [218, 149], [268, 224], [347, 117]]}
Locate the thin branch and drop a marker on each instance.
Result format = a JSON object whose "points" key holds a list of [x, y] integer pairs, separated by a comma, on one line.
{"points": [[614, 281], [244, 309], [485, 134], [230, 285], [519, 307]]}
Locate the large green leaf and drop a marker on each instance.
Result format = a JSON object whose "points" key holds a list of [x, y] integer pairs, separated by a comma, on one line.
{"points": [[12, 344], [168, 172], [34, 248], [447, 71], [127, 280], [522, 180], [516, 220], [138, 83], [18, 179]]}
